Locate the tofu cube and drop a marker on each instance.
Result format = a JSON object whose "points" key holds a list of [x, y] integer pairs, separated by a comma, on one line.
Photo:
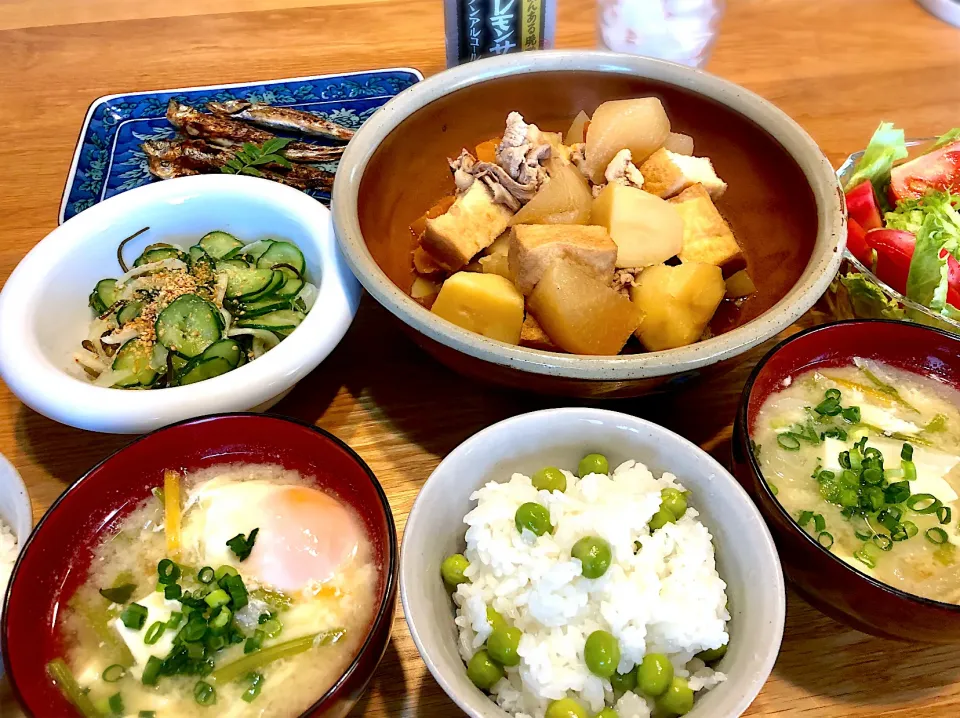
{"points": [[469, 226], [532, 336], [534, 247], [487, 304], [667, 173], [707, 238]]}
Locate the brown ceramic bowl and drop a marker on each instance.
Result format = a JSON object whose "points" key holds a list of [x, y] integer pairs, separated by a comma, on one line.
{"points": [[829, 583], [784, 203]]}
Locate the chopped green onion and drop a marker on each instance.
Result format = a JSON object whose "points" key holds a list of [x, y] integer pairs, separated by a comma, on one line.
{"points": [[221, 619], [256, 685], [264, 617], [825, 539], [804, 518], [154, 632], [215, 642], [851, 414], [828, 407], [224, 571], [849, 498], [112, 674], [936, 536], [173, 591], [773, 488], [254, 642], [890, 517], [134, 616], [217, 598], [116, 704], [910, 528], [898, 533], [168, 571], [272, 628], [944, 514], [206, 575], [924, 503], [832, 394], [151, 671], [119, 594], [897, 493], [174, 620], [882, 542], [906, 453], [788, 441], [863, 557], [242, 546], [844, 458], [873, 498], [863, 535], [196, 650], [856, 458], [909, 470], [204, 694], [194, 629], [819, 523], [873, 476], [825, 475]]}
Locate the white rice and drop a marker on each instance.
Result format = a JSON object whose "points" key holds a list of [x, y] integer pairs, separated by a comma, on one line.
{"points": [[8, 555], [667, 598]]}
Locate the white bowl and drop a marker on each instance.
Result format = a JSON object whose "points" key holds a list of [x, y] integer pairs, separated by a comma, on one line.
{"points": [[45, 316], [15, 509], [746, 557]]}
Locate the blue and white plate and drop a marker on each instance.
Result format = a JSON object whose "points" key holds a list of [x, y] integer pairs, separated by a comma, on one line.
{"points": [[108, 159]]}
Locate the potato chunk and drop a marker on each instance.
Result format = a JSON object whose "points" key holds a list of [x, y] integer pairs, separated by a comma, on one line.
{"points": [[581, 313], [470, 225], [564, 199], [534, 247], [639, 125], [483, 303], [677, 303], [739, 285], [647, 229], [495, 259], [707, 238]]}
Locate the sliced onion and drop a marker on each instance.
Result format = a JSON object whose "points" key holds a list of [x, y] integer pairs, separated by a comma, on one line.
{"points": [[221, 288], [158, 359], [110, 377], [252, 246], [97, 329], [91, 361], [227, 318], [268, 338], [169, 263], [122, 336], [258, 348], [308, 293]]}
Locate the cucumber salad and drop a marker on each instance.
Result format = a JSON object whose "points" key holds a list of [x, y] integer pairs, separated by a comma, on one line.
{"points": [[179, 316]]}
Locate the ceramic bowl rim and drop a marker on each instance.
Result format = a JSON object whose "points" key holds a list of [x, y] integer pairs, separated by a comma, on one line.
{"points": [[818, 172], [742, 411], [384, 613], [778, 589]]}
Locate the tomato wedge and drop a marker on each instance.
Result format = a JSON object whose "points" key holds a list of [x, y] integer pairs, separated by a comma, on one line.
{"points": [[857, 242], [935, 171], [953, 279], [894, 251], [862, 206]]}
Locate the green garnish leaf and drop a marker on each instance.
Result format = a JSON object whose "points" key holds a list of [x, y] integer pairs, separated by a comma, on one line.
{"points": [[242, 546], [119, 594], [250, 170], [886, 147], [251, 155], [946, 138]]}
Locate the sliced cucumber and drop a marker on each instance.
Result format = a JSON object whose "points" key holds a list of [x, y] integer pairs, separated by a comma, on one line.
{"points": [[255, 250], [276, 281], [104, 295], [199, 370], [237, 263], [130, 311], [283, 253], [135, 356], [158, 254], [290, 288], [244, 282], [278, 321], [188, 325], [224, 349], [196, 252], [219, 244], [266, 305]]}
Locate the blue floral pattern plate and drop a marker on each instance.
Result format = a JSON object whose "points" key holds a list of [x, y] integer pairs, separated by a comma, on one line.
{"points": [[108, 159]]}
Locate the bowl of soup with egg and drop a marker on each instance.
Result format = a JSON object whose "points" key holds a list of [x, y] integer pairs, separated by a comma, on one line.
{"points": [[848, 439], [238, 564]]}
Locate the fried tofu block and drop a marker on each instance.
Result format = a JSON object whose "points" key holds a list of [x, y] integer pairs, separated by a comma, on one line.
{"points": [[532, 336], [483, 303], [707, 238], [534, 247], [667, 173], [469, 226], [424, 262]]}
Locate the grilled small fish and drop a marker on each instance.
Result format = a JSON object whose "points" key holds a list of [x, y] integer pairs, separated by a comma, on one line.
{"points": [[232, 133], [180, 158], [281, 118]]}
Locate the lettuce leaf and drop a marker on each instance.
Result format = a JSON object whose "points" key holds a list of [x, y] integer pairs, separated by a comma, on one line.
{"points": [[868, 300], [940, 230], [946, 138], [886, 147]]}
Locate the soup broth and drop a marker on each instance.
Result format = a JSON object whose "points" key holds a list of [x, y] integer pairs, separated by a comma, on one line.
{"points": [[865, 459], [310, 582]]}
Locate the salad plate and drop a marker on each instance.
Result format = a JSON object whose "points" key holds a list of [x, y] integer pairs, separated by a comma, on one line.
{"points": [[108, 159]]}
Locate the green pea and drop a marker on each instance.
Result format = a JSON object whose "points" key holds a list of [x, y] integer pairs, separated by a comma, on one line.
{"points": [[549, 479], [601, 653], [662, 518], [593, 464], [484, 671], [713, 654], [673, 501], [565, 708], [678, 700], [654, 674], [533, 517], [452, 570], [623, 682], [607, 713], [502, 646], [594, 554], [496, 621]]}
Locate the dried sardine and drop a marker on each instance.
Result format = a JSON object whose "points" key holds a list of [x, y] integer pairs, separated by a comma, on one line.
{"points": [[227, 132], [281, 118]]}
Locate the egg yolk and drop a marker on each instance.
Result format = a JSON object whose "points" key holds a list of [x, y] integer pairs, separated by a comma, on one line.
{"points": [[305, 539]]}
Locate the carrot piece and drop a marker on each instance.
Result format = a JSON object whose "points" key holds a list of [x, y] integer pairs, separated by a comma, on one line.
{"points": [[419, 225], [487, 151], [171, 511]]}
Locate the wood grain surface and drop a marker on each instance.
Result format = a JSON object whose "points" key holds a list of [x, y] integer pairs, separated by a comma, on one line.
{"points": [[836, 66]]}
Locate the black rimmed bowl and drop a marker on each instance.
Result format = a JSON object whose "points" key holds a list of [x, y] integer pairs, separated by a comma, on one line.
{"points": [[829, 583]]}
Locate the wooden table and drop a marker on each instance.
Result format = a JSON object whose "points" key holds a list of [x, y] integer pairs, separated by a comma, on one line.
{"points": [[837, 66]]}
